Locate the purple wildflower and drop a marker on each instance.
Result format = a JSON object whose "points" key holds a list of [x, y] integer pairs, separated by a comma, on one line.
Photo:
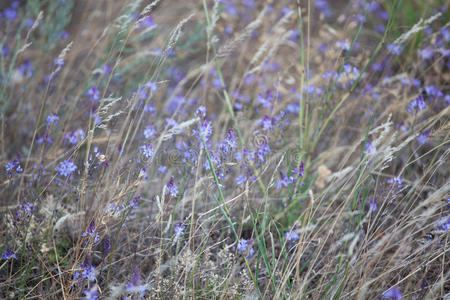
{"points": [[216, 81], [433, 91], [88, 273], [26, 69], [444, 224], [147, 22], [426, 53], [323, 47], [5, 50], [91, 294], [204, 131], [422, 139], [142, 93], [162, 169], [134, 203], [416, 105], [8, 254], [171, 122], [411, 82], [312, 90], [152, 86], [393, 293], [228, 143], [146, 150], [286, 10], [46, 138], [176, 103], [11, 13], [295, 35], [201, 112], [14, 164], [136, 286], [107, 244], [106, 69], [395, 49], [344, 45], [52, 119], [179, 229], [323, 6], [230, 139], [249, 3], [265, 100], [59, 62], [396, 181], [266, 123], [330, 74], [94, 94], [263, 150], [149, 132], [300, 169], [284, 180], [230, 7], [241, 179], [370, 148], [244, 246], [291, 236], [74, 137], [66, 168], [445, 34], [91, 231], [26, 210], [372, 6], [373, 205], [172, 187]]}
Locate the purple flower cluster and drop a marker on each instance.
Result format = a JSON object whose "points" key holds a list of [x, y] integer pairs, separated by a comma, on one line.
{"points": [[373, 205], [146, 151], [9, 254], [286, 180], [92, 233], [52, 120], [396, 181], [179, 229], [86, 272], [13, 167], [136, 286], [291, 236], [91, 293], [66, 168], [172, 188], [395, 49], [10, 12], [204, 131], [26, 210], [149, 132], [74, 137], [245, 246], [416, 105], [93, 94], [444, 223], [393, 293]]}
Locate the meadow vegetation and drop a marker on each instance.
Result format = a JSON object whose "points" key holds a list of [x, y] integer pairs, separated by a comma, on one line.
{"points": [[224, 149]]}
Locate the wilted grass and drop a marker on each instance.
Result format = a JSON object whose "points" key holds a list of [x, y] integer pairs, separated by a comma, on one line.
{"points": [[224, 149]]}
